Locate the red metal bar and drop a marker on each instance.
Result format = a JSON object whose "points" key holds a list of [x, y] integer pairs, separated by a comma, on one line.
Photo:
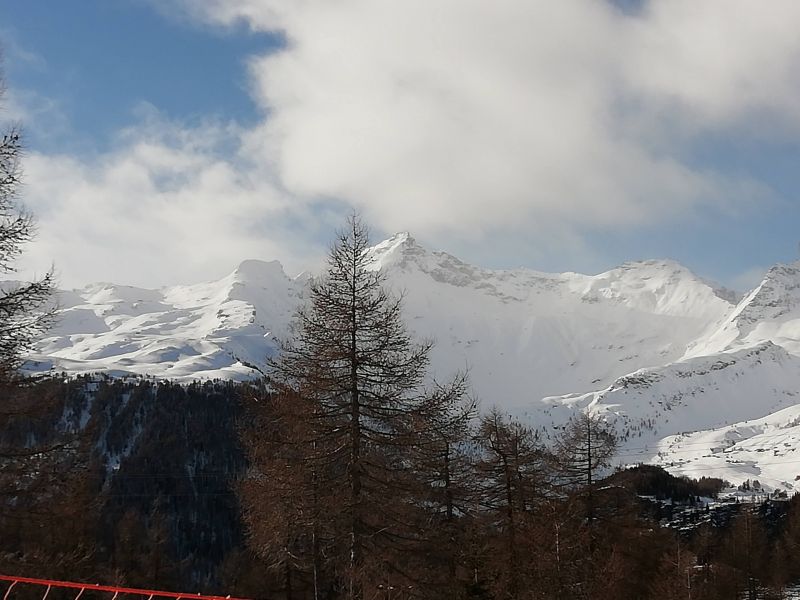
{"points": [[110, 588]]}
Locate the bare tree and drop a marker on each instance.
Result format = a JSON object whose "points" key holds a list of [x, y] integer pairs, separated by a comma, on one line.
{"points": [[514, 473], [281, 494], [362, 380], [24, 310], [37, 456], [444, 456], [582, 452]]}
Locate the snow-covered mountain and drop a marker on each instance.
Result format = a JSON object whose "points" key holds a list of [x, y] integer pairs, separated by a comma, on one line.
{"points": [[689, 373], [770, 312], [221, 329]]}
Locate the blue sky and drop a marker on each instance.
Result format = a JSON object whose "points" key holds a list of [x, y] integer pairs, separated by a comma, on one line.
{"points": [[100, 60], [170, 140]]}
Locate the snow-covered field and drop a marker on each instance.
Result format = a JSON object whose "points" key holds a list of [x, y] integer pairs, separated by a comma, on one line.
{"points": [[694, 377]]}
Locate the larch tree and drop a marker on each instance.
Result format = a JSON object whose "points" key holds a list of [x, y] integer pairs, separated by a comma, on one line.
{"points": [[362, 379], [673, 581], [281, 497], [24, 311], [582, 452], [443, 461], [746, 550], [786, 556], [37, 458], [514, 473]]}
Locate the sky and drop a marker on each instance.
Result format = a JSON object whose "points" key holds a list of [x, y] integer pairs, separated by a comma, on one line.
{"points": [[168, 140]]}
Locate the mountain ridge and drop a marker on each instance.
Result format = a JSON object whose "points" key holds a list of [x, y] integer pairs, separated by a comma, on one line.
{"points": [[539, 345]]}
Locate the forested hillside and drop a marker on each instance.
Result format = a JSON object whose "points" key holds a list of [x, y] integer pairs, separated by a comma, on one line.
{"points": [[135, 485], [149, 483]]}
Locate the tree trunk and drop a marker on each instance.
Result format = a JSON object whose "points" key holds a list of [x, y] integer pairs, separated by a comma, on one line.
{"points": [[512, 534], [448, 498], [356, 550]]}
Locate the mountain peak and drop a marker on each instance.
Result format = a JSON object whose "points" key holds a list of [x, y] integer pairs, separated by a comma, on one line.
{"points": [[785, 273], [657, 267], [394, 250], [776, 297], [254, 270], [400, 240], [403, 237]]}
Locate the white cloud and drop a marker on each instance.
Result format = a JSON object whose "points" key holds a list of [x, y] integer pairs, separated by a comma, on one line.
{"points": [[465, 115], [163, 208], [718, 62], [456, 119]]}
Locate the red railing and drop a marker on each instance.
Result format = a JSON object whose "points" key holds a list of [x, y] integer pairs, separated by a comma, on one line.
{"points": [[116, 590]]}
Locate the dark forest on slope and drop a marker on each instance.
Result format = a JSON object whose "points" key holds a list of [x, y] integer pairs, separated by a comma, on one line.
{"points": [[143, 486], [137, 485]]}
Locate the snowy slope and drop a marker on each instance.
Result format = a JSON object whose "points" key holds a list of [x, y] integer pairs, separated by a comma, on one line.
{"points": [[525, 335], [769, 312], [661, 352], [207, 330], [655, 410], [766, 450]]}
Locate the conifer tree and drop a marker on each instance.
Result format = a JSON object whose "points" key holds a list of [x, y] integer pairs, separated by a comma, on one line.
{"points": [[582, 452], [287, 496], [745, 549], [443, 457], [514, 478], [362, 377], [786, 556], [673, 581]]}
